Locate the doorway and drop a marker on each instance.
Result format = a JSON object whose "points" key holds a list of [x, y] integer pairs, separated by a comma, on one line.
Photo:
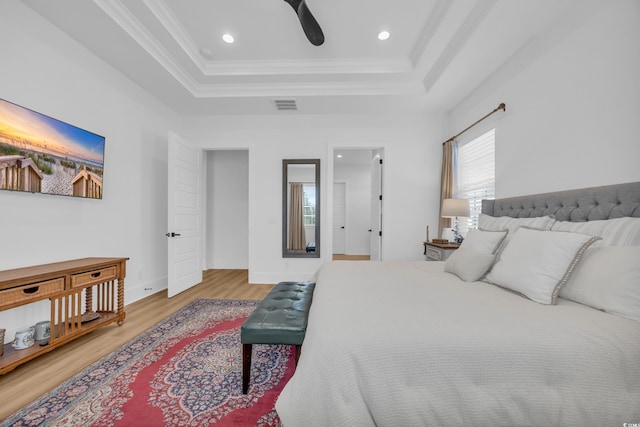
{"points": [[339, 217], [227, 209], [357, 210], [375, 232]]}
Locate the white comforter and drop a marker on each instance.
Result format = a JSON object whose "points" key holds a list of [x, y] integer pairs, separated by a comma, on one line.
{"points": [[406, 344]]}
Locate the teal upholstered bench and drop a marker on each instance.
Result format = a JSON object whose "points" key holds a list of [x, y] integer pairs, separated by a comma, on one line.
{"points": [[280, 318]]}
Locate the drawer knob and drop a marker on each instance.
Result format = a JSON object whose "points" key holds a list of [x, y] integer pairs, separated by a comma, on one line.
{"points": [[31, 290], [96, 274]]}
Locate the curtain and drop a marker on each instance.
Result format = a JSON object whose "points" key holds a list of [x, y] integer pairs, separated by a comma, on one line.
{"points": [[447, 184], [297, 238]]}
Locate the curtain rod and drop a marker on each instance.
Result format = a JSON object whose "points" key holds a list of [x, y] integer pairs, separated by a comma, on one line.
{"points": [[502, 107]]}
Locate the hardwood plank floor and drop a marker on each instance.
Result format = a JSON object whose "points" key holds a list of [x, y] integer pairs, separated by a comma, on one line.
{"points": [[31, 380], [338, 257]]}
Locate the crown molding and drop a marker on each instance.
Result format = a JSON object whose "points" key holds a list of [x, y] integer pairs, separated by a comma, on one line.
{"points": [[436, 16], [116, 10], [130, 24], [308, 67], [307, 89], [167, 18], [474, 18]]}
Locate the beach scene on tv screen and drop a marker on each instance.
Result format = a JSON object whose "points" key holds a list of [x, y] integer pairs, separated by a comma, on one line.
{"points": [[40, 154]]}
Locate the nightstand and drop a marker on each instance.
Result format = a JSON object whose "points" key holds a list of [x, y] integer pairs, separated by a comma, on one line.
{"points": [[438, 251]]}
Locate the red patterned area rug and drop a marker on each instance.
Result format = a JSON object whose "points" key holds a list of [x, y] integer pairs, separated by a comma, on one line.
{"points": [[184, 371]]}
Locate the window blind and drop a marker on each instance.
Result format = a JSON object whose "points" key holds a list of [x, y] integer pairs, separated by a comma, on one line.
{"points": [[476, 175]]}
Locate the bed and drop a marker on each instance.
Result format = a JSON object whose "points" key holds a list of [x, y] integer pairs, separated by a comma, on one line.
{"points": [[412, 343]]}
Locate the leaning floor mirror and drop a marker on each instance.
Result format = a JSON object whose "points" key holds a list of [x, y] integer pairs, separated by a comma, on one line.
{"points": [[301, 208]]}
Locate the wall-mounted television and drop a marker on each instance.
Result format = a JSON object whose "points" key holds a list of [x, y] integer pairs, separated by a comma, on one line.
{"points": [[39, 154]]}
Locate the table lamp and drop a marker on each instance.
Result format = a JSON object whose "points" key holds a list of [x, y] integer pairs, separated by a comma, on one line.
{"points": [[455, 208]]}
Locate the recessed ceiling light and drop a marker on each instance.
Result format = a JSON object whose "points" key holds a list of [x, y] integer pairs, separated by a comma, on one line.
{"points": [[227, 38], [339, 156], [383, 35]]}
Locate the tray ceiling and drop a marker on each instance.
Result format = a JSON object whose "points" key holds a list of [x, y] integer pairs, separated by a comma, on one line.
{"points": [[438, 51]]}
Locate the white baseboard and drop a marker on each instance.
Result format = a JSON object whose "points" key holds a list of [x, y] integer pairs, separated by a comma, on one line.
{"points": [[141, 290]]}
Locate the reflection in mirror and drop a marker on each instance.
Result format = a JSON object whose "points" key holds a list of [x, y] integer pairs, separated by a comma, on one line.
{"points": [[301, 208]]}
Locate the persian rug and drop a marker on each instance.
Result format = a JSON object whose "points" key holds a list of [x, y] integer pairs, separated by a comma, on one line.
{"points": [[184, 371]]}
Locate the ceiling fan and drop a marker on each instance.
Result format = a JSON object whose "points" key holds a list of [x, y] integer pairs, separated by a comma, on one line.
{"points": [[309, 24]]}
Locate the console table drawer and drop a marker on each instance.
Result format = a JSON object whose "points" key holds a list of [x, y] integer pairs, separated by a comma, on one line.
{"points": [[31, 292], [94, 277]]}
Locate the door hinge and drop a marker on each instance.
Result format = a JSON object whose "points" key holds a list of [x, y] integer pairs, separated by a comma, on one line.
{"points": [[380, 161], [380, 197], [380, 233]]}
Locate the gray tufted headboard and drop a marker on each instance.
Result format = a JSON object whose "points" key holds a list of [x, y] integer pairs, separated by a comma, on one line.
{"points": [[585, 204]]}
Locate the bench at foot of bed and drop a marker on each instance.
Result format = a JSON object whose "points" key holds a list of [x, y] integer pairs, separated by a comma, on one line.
{"points": [[280, 318]]}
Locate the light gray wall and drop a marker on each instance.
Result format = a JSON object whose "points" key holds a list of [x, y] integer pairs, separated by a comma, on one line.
{"points": [[573, 103], [412, 157], [46, 71]]}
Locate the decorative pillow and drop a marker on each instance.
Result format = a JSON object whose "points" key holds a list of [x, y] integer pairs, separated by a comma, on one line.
{"points": [[607, 278], [614, 232], [467, 264], [486, 242], [476, 254], [492, 223], [537, 263]]}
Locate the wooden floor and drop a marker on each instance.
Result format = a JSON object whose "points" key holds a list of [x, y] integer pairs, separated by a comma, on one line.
{"points": [[338, 257], [31, 380]]}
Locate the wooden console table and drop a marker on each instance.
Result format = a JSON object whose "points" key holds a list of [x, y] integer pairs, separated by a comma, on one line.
{"points": [[96, 283]]}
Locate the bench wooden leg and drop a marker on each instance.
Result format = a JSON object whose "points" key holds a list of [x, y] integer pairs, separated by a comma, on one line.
{"points": [[246, 367], [298, 350]]}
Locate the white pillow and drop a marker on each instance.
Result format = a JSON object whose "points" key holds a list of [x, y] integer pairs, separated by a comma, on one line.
{"points": [[475, 255], [607, 278], [492, 223], [482, 241], [614, 232], [467, 264], [537, 263]]}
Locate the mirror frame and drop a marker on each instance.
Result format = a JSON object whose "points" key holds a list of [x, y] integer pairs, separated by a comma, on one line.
{"points": [[286, 253]]}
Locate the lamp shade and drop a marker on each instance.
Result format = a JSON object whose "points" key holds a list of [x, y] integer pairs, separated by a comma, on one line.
{"points": [[452, 208]]}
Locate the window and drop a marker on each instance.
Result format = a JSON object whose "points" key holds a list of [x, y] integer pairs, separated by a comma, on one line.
{"points": [[476, 175], [309, 204]]}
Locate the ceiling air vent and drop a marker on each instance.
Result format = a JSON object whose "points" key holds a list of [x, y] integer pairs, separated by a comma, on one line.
{"points": [[285, 104]]}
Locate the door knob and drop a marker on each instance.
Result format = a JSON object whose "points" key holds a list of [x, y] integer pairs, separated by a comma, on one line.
{"points": [[342, 227], [172, 234]]}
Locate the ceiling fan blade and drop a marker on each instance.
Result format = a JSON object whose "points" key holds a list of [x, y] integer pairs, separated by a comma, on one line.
{"points": [[309, 24]]}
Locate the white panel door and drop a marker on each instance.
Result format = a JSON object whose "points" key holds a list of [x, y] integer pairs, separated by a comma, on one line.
{"points": [[339, 202], [376, 207], [184, 210]]}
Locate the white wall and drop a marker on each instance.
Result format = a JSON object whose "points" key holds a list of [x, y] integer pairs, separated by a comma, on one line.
{"points": [[573, 103], [46, 71], [227, 213], [412, 167]]}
